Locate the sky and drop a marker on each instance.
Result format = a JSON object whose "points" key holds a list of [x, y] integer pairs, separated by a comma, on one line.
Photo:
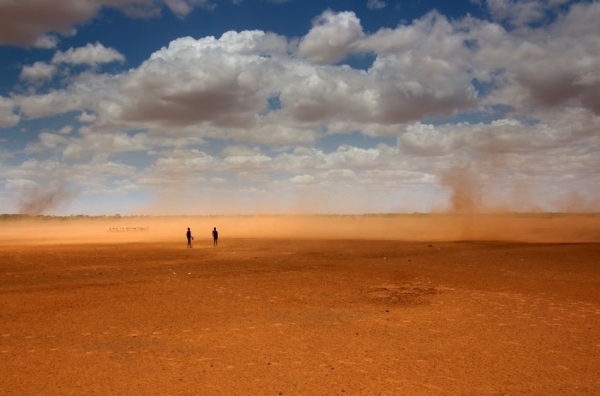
{"points": [[192, 107]]}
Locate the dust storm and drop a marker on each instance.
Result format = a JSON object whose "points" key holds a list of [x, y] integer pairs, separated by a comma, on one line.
{"points": [[536, 227]]}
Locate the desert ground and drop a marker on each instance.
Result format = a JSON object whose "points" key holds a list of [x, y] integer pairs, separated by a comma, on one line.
{"points": [[301, 305]]}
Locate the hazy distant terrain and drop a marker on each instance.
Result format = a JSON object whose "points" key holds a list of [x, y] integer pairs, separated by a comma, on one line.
{"points": [[404, 227]]}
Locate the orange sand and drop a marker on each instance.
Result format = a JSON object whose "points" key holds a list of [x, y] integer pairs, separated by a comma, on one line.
{"points": [[396, 305]]}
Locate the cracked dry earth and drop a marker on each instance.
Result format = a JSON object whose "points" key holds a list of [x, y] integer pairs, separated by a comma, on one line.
{"points": [[300, 317]]}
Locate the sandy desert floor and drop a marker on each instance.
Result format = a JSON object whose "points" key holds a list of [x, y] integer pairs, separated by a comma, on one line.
{"points": [[138, 314]]}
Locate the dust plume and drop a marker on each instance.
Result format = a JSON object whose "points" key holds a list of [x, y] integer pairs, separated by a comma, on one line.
{"points": [[40, 200], [478, 205], [574, 202], [466, 191]]}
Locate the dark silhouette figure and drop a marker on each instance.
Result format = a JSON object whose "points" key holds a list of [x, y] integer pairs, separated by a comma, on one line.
{"points": [[190, 238], [215, 235]]}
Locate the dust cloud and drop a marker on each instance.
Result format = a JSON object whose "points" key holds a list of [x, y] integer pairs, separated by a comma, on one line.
{"points": [[472, 216], [38, 200], [465, 189], [574, 202], [530, 228]]}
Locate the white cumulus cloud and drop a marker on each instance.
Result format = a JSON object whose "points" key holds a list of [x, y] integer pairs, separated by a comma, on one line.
{"points": [[91, 54]]}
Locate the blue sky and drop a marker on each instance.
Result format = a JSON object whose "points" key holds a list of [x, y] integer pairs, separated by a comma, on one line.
{"points": [[257, 106]]}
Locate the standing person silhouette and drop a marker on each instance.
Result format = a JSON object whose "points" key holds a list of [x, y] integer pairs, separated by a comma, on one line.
{"points": [[215, 235], [190, 238]]}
